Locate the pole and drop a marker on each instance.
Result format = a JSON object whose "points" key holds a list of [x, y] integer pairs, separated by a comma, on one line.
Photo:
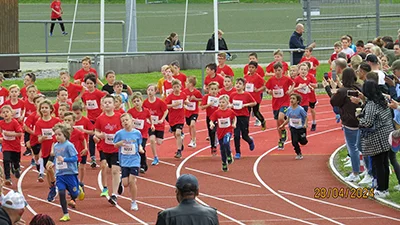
{"points": [[184, 26], [123, 37], [101, 66], [309, 37], [46, 40], [132, 26], [378, 20], [73, 27], [216, 28], [202, 73]]}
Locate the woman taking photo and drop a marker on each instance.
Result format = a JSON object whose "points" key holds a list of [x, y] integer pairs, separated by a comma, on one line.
{"points": [[172, 43]]}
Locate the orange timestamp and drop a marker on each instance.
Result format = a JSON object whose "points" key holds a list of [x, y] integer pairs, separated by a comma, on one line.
{"points": [[343, 192]]}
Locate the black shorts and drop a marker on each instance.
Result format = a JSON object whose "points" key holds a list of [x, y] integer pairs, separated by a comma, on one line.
{"points": [[283, 110], [158, 133], [312, 104], [36, 149], [111, 158], [48, 158], [26, 137], [192, 117], [126, 171], [83, 160], [177, 126], [305, 108]]}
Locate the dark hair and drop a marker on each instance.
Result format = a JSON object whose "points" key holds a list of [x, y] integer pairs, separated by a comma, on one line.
{"points": [[363, 55], [298, 97], [389, 45], [349, 77], [212, 66], [241, 79], [387, 39], [350, 37], [278, 65], [253, 54], [360, 43], [169, 38], [255, 64], [365, 66], [92, 77], [32, 76], [373, 93], [42, 219], [60, 89], [175, 63]]}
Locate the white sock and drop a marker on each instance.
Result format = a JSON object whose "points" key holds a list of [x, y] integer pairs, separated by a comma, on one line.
{"points": [[41, 165]]}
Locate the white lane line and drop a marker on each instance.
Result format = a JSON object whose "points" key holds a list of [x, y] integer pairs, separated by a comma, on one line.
{"points": [[255, 171], [90, 187], [19, 187], [140, 202], [225, 178], [221, 196], [376, 215], [72, 210]]}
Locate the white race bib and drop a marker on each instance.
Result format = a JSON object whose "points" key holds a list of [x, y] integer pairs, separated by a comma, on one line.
{"points": [[47, 133], [138, 124], [17, 113], [128, 149], [79, 127], [214, 101], [191, 106], [168, 91], [154, 119], [224, 122], [304, 90], [1, 100], [278, 93], [295, 122], [91, 104], [8, 138], [61, 165], [180, 106], [109, 139], [249, 87], [237, 104]]}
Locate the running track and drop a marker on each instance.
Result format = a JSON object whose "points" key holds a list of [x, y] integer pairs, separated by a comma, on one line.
{"points": [[266, 186]]}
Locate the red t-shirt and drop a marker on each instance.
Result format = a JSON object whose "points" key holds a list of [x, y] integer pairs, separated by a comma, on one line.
{"points": [[73, 91], [253, 82], [45, 128], [80, 74], [108, 125], [238, 100], [120, 111], [30, 108], [57, 106], [208, 99], [218, 78], [10, 143], [92, 100], [176, 114], [167, 87], [259, 70], [84, 123], [312, 96], [18, 108], [226, 69], [24, 93], [77, 137], [304, 92], [30, 122], [140, 121], [157, 110], [182, 78], [279, 87], [314, 63], [270, 67], [193, 107], [224, 120], [3, 95], [222, 91], [57, 7]]}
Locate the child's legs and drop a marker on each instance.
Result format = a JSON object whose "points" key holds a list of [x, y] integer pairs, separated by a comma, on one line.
{"points": [[225, 147], [153, 144], [92, 147], [236, 136], [143, 158], [7, 163], [312, 107], [115, 178], [295, 140], [72, 184], [211, 133], [82, 168], [257, 114], [63, 200], [192, 128], [104, 169], [245, 129], [178, 137], [132, 184], [49, 166], [61, 24], [16, 159], [52, 26]]}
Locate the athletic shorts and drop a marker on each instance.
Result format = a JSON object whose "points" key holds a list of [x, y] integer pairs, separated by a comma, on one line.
{"points": [[48, 158], [126, 171], [305, 108], [26, 137], [36, 149], [312, 104], [276, 112], [111, 158], [192, 117], [68, 182], [158, 133], [177, 126], [83, 160]]}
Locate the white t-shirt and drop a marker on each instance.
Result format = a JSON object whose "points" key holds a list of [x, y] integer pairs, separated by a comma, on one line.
{"points": [[381, 76]]}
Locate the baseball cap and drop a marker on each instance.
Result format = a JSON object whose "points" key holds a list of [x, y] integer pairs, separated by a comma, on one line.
{"points": [[14, 200], [187, 182], [372, 58]]}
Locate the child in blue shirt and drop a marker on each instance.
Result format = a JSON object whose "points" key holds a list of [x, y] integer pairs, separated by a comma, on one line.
{"points": [[296, 117], [65, 162], [129, 142]]}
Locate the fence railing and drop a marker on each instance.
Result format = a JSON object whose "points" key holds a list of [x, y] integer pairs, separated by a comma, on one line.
{"points": [[47, 22]]}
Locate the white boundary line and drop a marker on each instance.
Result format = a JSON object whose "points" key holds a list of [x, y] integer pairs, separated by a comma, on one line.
{"points": [[19, 187], [255, 170], [341, 178], [143, 203]]}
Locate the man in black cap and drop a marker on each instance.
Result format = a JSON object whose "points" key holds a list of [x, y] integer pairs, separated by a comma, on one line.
{"points": [[188, 212]]}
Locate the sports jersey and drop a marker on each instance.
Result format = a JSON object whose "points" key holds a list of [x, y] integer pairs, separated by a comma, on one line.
{"points": [[314, 63], [109, 125], [226, 69], [259, 70], [193, 106], [222, 91], [45, 128], [140, 120], [207, 99], [156, 109], [30, 122], [176, 114], [57, 106], [182, 78], [80, 75], [224, 120], [18, 108], [11, 143], [73, 91], [84, 123], [279, 87], [238, 100], [67, 151], [128, 154], [270, 67], [305, 91], [92, 101], [297, 117], [3, 95], [217, 78], [253, 82]]}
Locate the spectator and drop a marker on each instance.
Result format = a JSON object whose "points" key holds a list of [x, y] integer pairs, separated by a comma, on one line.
{"points": [[12, 207], [396, 49], [56, 12], [296, 42], [351, 44], [367, 48], [172, 43], [362, 71], [373, 61], [387, 44], [188, 212], [340, 65], [42, 219], [222, 46], [359, 46]]}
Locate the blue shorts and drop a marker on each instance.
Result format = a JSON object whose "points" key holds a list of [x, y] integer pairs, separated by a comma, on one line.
{"points": [[283, 110], [68, 182], [126, 171]]}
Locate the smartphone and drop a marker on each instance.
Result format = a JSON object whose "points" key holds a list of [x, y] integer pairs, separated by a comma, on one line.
{"points": [[326, 76], [352, 93], [334, 77]]}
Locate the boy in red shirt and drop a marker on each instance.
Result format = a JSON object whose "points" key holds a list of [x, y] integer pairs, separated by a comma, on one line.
{"points": [[178, 75], [302, 86], [167, 84], [241, 101], [210, 102], [3, 91], [158, 112], [255, 86], [16, 104], [226, 120], [293, 72], [253, 57], [223, 69], [62, 97], [12, 132], [107, 124], [312, 97], [228, 86], [278, 57], [118, 104], [92, 98], [30, 79], [280, 87], [192, 108], [30, 108], [79, 77], [56, 12], [75, 91], [212, 76], [337, 46], [314, 63], [142, 122], [176, 117]]}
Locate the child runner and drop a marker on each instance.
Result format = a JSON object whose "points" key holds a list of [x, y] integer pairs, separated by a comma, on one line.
{"points": [[109, 87], [64, 107], [178, 75], [212, 76], [210, 103], [308, 57], [255, 85], [253, 57], [302, 86], [29, 79], [312, 97], [226, 120], [65, 161], [228, 86], [175, 102], [337, 46], [30, 108], [118, 87], [278, 57], [62, 97], [159, 111], [241, 100], [56, 12], [297, 119], [79, 77], [142, 122], [107, 124], [167, 84], [44, 132], [160, 81], [293, 72], [12, 132], [280, 87], [192, 108], [3, 91], [16, 104], [129, 142], [118, 105], [223, 69], [75, 91]]}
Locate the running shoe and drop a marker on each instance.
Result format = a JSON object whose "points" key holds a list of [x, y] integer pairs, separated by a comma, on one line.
{"points": [[113, 200], [155, 161], [257, 123], [381, 194], [224, 167], [237, 156], [352, 178], [120, 188], [284, 135], [192, 144], [40, 178], [251, 144], [313, 127], [264, 125], [81, 194], [93, 164], [178, 154], [104, 193], [213, 151], [299, 156], [65, 218], [280, 145], [230, 159], [17, 173], [64, 33], [33, 162], [52, 193], [134, 206], [142, 170]]}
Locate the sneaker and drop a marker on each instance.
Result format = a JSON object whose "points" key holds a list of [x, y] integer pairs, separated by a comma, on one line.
{"points": [[224, 167], [374, 183], [113, 200], [213, 151], [280, 146], [65, 218], [81, 194], [82, 186], [8, 182], [381, 194], [337, 117], [142, 170], [178, 154], [347, 164], [366, 180], [155, 161], [252, 145], [283, 136], [230, 159], [17, 173], [93, 164], [264, 125], [40, 178], [257, 123], [192, 144], [52, 193], [51, 34], [352, 178], [134, 206], [104, 193], [364, 173], [72, 204], [237, 156], [298, 157], [397, 187], [120, 188], [346, 159], [313, 127], [27, 153], [64, 33], [33, 162]]}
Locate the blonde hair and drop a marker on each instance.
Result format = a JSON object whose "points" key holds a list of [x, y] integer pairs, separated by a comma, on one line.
{"points": [[48, 102], [7, 107], [304, 64], [118, 98], [222, 54], [64, 104], [137, 95], [165, 67], [31, 86], [337, 44], [64, 128], [77, 106], [126, 114], [278, 52], [192, 80], [213, 84], [176, 82], [88, 59], [224, 97], [64, 73], [14, 86]]}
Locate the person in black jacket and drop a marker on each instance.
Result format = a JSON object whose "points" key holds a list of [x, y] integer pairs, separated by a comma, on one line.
{"points": [[188, 212], [222, 46], [172, 43], [296, 42]]}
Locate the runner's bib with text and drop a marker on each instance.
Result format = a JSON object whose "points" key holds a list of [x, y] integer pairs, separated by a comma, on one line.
{"points": [[295, 122], [128, 149], [180, 106], [278, 93], [249, 87], [214, 101], [138, 124], [109, 139], [224, 122], [17, 113], [191, 106], [8, 138], [237, 104], [154, 119], [91, 104], [47, 133], [61, 165]]}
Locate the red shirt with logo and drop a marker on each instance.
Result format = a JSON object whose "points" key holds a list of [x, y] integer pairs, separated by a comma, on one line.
{"points": [[226, 69], [18, 108], [167, 87], [176, 114], [30, 108], [238, 100], [207, 99], [109, 125], [279, 87], [193, 107], [156, 109], [303, 92], [224, 120], [182, 78], [11, 143], [80, 74], [45, 128], [140, 120], [57, 7], [314, 63], [259, 70], [84, 123], [92, 101], [253, 82], [217, 78]]}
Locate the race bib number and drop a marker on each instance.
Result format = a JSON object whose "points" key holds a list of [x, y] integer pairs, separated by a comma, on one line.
{"points": [[8, 138], [91, 104], [47, 133], [61, 165], [168, 91], [278, 93], [305, 90], [191, 106], [214, 101], [128, 149], [17, 113], [180, 106], [295, 122], [1, 100], [224, 122], [249, 87], [79, 127], [154, 119], [237, 104], [138, 124], [109, 139]]}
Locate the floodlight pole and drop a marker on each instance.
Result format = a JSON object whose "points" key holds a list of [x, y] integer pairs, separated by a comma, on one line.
{"points": [[216, 28], [378, 21], [101, 65], [185, 24], [131, 21]]}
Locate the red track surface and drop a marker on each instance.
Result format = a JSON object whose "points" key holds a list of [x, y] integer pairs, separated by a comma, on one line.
{"points": [[266, 186]]}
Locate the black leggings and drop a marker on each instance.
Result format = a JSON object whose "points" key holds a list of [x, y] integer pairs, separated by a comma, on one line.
{"points": [[92, 145], [256, 112], [381, 168], [61, 25], [242, 127], [10, 159], [298, 138], [211, 133], [143, 158]]}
